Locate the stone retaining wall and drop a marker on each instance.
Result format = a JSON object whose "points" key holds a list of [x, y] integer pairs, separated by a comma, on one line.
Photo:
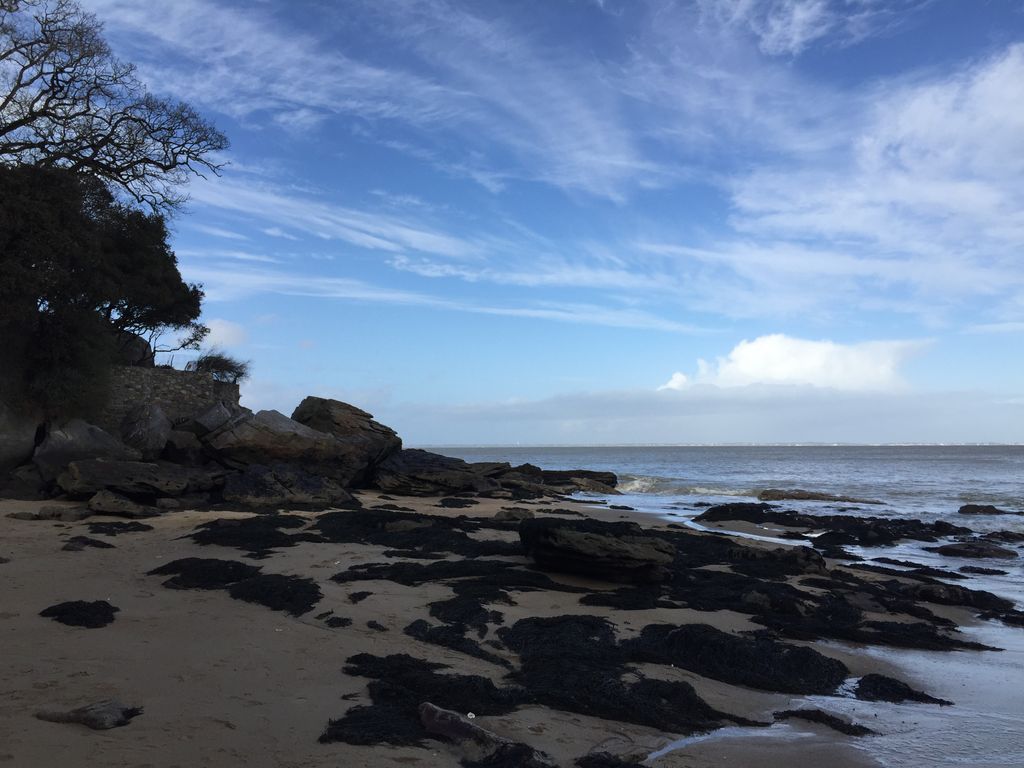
{"points": [[179, 393]]}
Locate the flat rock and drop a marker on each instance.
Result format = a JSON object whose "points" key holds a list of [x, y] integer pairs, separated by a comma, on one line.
{"points": [[414, 472], [979, 549], [110, 503], [620, 552], [984, 509], [875, 687], [89, 476], [281, 485]]}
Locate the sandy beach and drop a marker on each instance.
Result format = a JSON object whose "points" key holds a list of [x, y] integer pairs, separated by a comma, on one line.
{"points": [[228, 682]]}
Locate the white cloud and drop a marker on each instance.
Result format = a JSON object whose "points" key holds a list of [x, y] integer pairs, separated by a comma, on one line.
{"points": [[782, 360], [224, 333], [677, 382]]}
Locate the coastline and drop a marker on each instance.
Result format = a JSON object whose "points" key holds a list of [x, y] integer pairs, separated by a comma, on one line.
{"points": [[230, 682]]}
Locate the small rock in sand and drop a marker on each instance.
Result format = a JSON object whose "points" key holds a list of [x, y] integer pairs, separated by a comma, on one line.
{"points": [[100, 716]]}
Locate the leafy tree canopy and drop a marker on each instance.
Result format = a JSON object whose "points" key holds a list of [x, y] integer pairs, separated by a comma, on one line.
{"points": [[79, 270]]}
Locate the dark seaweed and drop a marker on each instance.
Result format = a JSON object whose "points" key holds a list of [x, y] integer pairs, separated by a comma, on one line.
{"points": [[278, 592], [79, 613], [204, 573]]}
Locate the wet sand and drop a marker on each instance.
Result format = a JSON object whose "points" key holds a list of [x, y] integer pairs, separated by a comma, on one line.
{"points": [[225, 682]]}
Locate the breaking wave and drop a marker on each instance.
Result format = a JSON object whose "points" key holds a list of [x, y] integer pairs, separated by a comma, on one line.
{"points": [[669, 486]]}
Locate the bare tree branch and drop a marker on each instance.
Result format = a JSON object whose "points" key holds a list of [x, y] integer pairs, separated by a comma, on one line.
{"points": [[66, 101]]}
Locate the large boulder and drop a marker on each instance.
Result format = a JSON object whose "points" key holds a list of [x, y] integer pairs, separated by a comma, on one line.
{"points": [[366, 442], [146, 428], [270, 437], [135, 478], [212, 417], [183, 447], [17, 438], [414, 472], [621, 552], [74, 441], [282, 485]]}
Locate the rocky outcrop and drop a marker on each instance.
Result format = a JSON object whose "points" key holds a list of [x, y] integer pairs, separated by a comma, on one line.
{"points": [[183, 447], [368, 442], [146, 429], [282, 485], [621, 552], [414, 472], [573, 480], [17, 438], [270, 437], [74, 441], [984, 509], [135, 478]]}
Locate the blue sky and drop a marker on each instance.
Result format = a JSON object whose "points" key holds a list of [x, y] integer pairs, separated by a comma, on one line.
{"points": [[586, 221]]}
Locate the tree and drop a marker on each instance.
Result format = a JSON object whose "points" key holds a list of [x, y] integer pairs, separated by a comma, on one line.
{"points": [[66, 101], [79, 271], [220, 366]]}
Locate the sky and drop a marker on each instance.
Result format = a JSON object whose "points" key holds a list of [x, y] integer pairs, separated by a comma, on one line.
{"points": [[610, 221]]}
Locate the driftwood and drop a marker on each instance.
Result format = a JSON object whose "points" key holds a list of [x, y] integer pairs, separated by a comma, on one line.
{"points": [[100, 716]]}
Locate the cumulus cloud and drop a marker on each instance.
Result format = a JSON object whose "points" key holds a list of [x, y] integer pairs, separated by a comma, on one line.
{"points": [[782, 360], [224, 333]]}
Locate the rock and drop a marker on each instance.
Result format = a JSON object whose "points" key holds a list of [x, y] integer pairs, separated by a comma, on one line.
{"points": [[17, 438], [874, 687], [213, 417], [799, 494], [89, 476], [146, 429], [269, 437], [756, 662], [100, 716], [974, 549], [68, 514], [24, 483], [110, 503], [414, 472], [984, 509], [368, 441], [827, 719], [78, 613], [620, 552], [586, 480], [74, 441], [167, 504], [282, 485], [182, 447]]}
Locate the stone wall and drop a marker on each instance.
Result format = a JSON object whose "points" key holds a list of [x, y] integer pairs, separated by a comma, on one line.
{"points": [[180, 393]]}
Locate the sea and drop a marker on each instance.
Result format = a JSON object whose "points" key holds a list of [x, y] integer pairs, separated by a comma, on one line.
{"points": [[985, 728]]}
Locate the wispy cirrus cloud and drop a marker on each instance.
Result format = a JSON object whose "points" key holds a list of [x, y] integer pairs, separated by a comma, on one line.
{"points": [[224, 284]]}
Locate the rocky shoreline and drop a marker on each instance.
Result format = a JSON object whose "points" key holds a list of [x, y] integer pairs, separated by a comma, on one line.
{"points": [[304, 591]]}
